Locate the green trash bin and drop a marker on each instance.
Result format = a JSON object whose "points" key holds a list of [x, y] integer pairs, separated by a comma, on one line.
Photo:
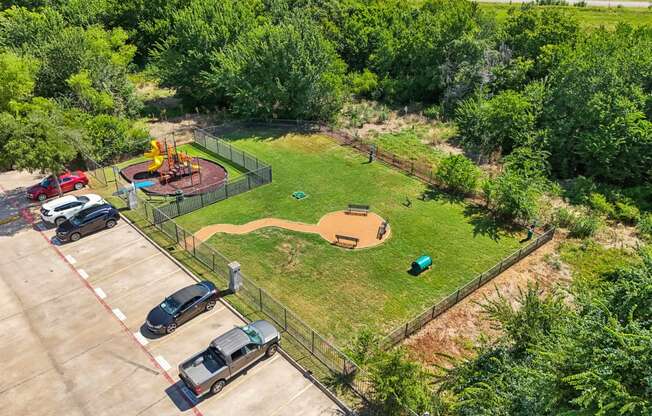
{"points": [[421, 264]]}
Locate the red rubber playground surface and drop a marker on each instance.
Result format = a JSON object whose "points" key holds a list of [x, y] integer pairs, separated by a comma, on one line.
{"points": [[210, 177]]}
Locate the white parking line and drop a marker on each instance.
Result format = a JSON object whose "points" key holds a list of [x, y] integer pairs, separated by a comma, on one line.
{"points": [[83, 273], [121, 316], [161, 361], [70, 259], [140, 338], [100, 293]]}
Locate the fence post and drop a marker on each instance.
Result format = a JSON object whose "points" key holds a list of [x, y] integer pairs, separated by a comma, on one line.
{"points": [[500, 269], [213, 263], [193, 246], [433, 312], [260, 298], [457, 296], [178, 210], [248, 180], [285, 320], [185, 243], [312, 347], [412, 168], [406, 330], [176, 232], [201, 198]]}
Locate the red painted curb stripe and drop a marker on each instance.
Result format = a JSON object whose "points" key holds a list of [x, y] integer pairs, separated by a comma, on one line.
{"points": [[27, 216]]}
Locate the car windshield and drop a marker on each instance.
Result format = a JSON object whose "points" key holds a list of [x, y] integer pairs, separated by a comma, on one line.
{"points": [[170, 306], [45, 182], [76, 220], [253, 335], [82, 199]]}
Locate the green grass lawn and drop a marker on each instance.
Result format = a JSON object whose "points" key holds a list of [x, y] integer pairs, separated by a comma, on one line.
{"points": [[589, 17], [338, 291]]}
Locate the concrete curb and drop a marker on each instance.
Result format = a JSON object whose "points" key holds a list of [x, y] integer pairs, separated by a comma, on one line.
{"points": [[307, 374]]}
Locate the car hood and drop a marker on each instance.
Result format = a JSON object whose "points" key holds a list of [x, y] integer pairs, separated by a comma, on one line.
{"points": [[158, 316], [34, 188], [94, 200], [266, 329]]}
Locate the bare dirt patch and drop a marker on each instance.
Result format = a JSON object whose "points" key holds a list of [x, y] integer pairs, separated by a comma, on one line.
{"points": [[180, 127], [454, 333], [362, 227]]}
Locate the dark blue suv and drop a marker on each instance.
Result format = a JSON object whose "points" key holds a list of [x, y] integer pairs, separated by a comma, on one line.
{"points": [[87, 222]]}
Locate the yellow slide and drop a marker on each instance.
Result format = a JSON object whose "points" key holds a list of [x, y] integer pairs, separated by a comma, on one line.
{"points": [[155, 155]]}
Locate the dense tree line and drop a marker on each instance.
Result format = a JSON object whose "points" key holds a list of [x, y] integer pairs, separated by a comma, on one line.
{"points": [[533, 80]]}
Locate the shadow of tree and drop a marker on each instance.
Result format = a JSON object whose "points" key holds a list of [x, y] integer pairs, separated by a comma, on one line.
{"points": [[485, 223], [434, 194], [12, 204]]}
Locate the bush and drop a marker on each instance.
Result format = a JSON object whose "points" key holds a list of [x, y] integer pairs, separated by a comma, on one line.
{"points": [[627, 213], [433, 112], [579, 190], [363, 84], [513, 196], [644, 226], [599, 203], [458, 174], [585, 226], [564, 218]]}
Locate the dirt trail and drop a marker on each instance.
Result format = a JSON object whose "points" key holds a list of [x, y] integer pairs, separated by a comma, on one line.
{"points": [[362, 227]]}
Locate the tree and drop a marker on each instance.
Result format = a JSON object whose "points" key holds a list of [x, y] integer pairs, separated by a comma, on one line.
{"points": [[458, 174], [198, 32], [598, 111], [513, 196], [39, 138], [399, 383], [16, 78], [503, 122], [283, 71], [531, 30]]}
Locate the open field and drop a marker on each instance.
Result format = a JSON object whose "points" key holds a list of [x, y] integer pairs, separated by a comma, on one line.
{"points": [[336, 290], [589, 17]]}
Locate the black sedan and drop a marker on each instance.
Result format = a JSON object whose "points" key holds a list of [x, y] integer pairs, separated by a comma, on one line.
{"points": [[88, 221], [181, 307]]}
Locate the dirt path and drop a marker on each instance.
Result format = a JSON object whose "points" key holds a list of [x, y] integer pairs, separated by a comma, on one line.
{"points": [[362, 227]]}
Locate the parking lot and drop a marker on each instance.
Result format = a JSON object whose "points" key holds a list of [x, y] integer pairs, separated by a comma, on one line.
{"points": [[71, 340]]}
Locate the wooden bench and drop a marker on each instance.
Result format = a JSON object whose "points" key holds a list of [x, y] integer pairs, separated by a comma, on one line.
{"points": [[346, 241], [382, 230], [358, 209]]}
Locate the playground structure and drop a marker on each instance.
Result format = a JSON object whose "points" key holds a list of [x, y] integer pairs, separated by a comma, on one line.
{"points": [[170, 163], [173, 171]]}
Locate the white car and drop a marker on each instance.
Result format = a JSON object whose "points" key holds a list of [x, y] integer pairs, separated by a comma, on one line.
{"points": [[57, 211]]}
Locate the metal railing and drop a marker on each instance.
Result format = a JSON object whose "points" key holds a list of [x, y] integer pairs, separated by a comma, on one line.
{"points": [[411, 326], [258, 299]]}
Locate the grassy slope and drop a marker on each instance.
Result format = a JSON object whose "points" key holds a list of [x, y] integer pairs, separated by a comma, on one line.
{"points": [[337, 290], [589, 17]]}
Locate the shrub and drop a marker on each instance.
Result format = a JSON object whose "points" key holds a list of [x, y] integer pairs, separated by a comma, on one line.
{"points": [[599, 203], [644, 226], [513, 196], [564, 218], [458, 174], [433, 112], [627, 213], [585, 226], [580, 189], [363, 84]]}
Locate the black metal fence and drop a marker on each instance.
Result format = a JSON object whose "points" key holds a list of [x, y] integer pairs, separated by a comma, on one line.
{"points": [[419, 321], [259, 299], [94, 168]]}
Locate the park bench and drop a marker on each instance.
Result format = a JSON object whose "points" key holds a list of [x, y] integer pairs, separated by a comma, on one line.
{"points": [[358, 209], [346, 241], [382, 230]]}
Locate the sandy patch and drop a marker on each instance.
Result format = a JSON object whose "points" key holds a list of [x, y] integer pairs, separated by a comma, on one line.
{"points": [[362, 227]]}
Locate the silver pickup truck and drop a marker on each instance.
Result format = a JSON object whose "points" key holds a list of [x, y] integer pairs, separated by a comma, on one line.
{"points": [[227, 355]]}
